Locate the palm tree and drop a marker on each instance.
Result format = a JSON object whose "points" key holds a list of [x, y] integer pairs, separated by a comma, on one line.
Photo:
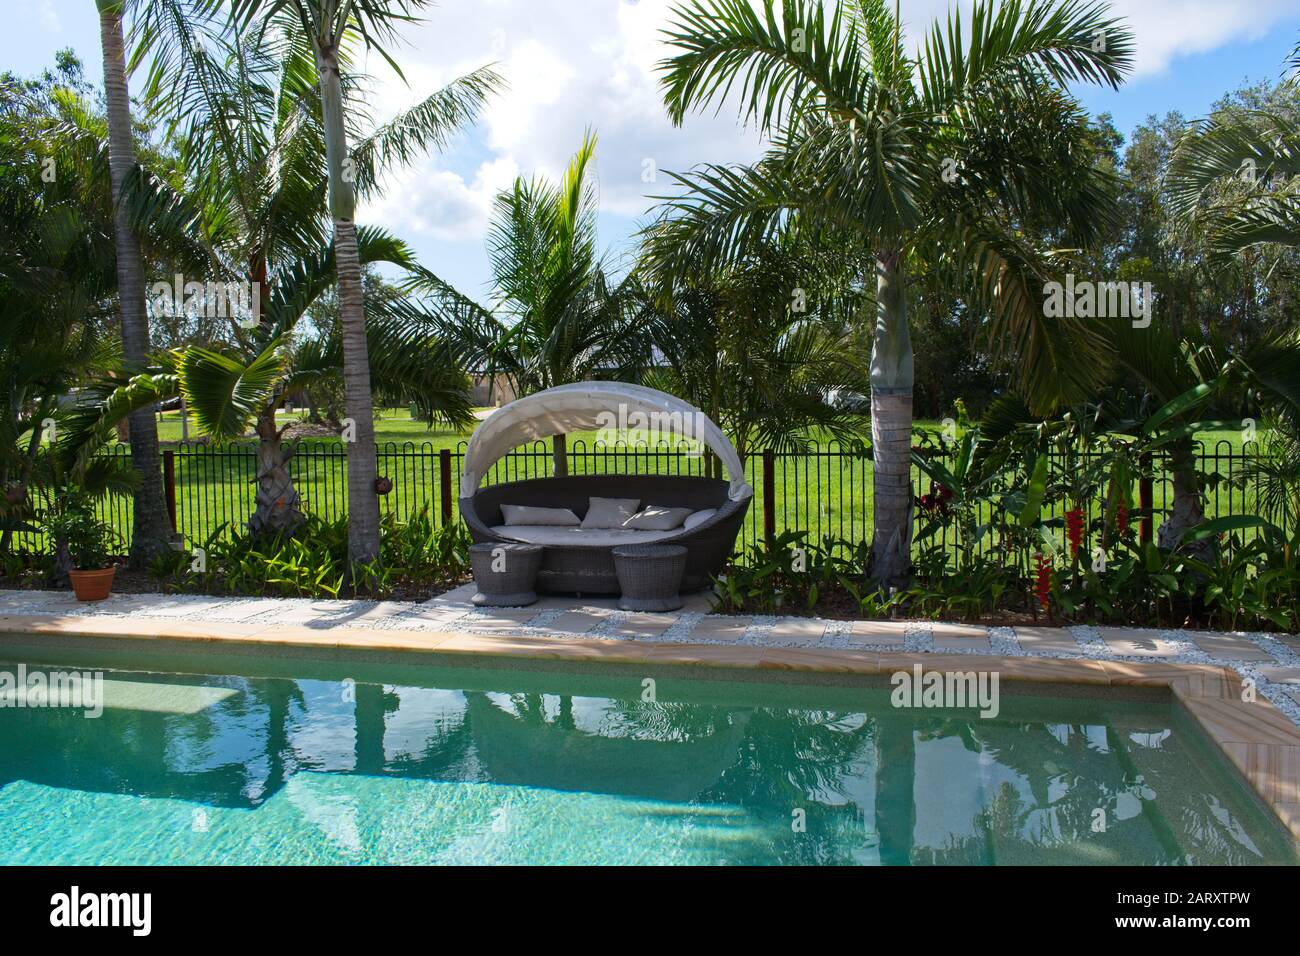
{"points": [[767, 367], [1236, 177], [896, 154], [329, 26], [243, 385], [267, 112], [151, 530], [58, 267], [251, 210], [554, 319]]}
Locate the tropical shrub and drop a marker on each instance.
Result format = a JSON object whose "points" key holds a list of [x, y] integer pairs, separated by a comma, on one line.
{"points": [[415, 557], [1039, 522], [788, 574], [82, 542], [1249, 584]]}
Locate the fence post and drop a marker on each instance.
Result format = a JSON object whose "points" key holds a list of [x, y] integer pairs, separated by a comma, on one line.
{"points": [[169, 484], [1146, 499], [769, 495], [444, 480]]}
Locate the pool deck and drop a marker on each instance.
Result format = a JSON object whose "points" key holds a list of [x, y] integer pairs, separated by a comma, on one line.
{"points": [[1242, 689]]}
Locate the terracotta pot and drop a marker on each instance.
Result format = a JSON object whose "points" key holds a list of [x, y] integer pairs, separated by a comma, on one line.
{"points": [[92, 585]]}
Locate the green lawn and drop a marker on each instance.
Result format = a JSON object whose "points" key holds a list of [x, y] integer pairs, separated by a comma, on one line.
{"points": [[824, 493], [392, 425], [396, 425]]}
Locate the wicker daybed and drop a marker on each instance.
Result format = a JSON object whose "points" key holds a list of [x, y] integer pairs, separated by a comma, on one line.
{"points": [[580, 560]]}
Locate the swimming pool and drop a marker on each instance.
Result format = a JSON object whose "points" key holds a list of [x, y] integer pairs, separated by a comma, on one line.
{"points": [[337, 763]]}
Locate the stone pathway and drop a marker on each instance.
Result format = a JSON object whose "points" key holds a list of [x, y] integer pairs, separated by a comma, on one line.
{"points": [[1271, 660]]}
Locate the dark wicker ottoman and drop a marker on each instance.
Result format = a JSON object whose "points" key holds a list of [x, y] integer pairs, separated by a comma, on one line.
{"points": [[510, 582], [650, 576]]}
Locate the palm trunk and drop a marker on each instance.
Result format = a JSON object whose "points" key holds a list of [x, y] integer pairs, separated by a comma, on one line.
{"points": [[151, 529], [278, 504], [891, 425], [1188, 509], [278, 699], [560, 455], [363, 503]]}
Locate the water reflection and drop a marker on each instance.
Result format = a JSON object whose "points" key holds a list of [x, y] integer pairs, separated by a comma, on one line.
{"points": [[761, 780]]}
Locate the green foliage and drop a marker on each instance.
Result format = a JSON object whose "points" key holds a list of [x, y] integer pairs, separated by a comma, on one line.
{"points": [[767, 347], [970, 591], [313, 562], [555, 317], [860, 132], [994, 513], [86, 541], [26, 568], [789, 574], [1248, 584]]}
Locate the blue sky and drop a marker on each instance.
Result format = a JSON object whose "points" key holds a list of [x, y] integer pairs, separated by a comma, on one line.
{"points": [[573, 64]]}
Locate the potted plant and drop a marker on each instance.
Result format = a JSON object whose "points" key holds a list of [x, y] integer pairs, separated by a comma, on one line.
{"points": [[81, 549]]}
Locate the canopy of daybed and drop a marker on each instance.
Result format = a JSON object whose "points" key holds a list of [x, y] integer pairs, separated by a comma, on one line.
{"points": [[593, 406]]}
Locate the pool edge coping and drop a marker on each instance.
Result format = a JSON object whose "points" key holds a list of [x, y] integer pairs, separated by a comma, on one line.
{"points": [[1256, 738]]}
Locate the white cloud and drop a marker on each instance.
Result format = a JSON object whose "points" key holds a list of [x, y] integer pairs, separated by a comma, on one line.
{"points": [[39, 11], [1167, 29], [540, 82], [439, 203], [1163, 29], [569, 66]]}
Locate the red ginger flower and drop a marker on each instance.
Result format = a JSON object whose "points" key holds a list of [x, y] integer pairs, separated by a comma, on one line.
{"points": [[1074, 529], [1121, 518], [1043, 579]]}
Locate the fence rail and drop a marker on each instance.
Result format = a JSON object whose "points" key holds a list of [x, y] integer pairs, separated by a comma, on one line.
{"points": [[823, 490]]}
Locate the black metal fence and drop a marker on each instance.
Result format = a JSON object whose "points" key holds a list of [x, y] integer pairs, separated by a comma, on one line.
{"points": [[823, 490]]}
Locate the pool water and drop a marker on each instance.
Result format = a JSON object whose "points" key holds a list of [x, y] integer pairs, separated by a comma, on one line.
{"points": [[309, 764]]}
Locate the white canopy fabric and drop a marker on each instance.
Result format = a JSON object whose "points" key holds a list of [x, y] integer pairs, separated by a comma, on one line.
{"points": [[595, 406]]}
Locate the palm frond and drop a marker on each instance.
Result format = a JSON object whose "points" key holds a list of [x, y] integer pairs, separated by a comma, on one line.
{"points": [[1056, 360], [226, 393], [1070, 42], [429, 124], [104, 402], [302, 282], [1252, 147], [803, 59]]}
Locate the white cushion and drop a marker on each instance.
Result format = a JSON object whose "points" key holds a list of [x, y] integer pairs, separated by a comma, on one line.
{"points": [[657, 518], [530, 514], [594, 537], [699, 517], [609, 512]]}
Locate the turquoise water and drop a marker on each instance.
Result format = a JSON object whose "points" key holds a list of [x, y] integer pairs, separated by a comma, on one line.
{"points": [[303, 765]]}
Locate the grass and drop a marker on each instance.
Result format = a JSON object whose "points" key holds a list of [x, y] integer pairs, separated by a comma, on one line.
{"points": [[391, 425], [824, 493], [396, 425]]}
